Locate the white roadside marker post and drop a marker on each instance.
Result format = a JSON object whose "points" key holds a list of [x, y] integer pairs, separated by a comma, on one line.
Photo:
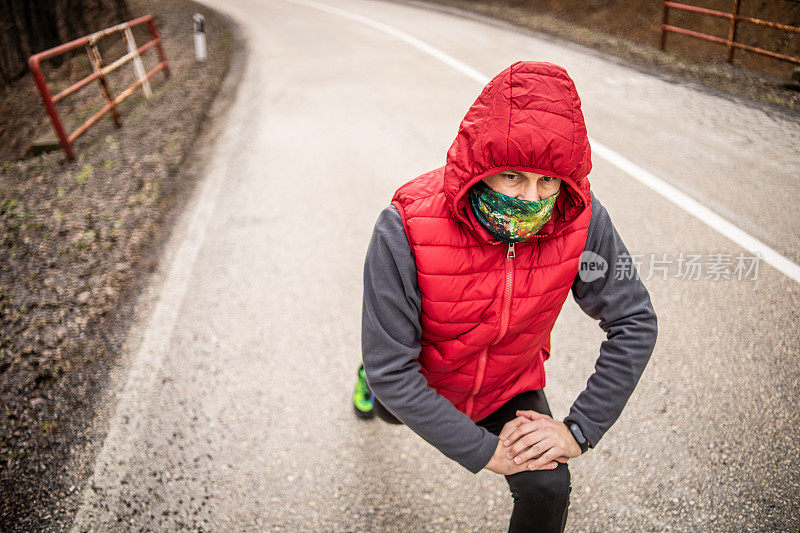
{"points": [[199, 37]]}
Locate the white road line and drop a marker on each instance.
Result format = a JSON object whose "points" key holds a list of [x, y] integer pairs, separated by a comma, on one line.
{"points": [[128, 418], [698, 210], [671, 193]]}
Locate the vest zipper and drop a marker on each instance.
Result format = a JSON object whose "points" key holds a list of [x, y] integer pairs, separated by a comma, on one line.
{"points": [[504, 317]]}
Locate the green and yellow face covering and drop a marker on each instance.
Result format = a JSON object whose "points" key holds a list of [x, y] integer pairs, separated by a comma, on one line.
{"points": [[507, 218]]}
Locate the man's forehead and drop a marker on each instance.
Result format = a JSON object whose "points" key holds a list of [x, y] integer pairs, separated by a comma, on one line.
{"points": [[525, 173]]}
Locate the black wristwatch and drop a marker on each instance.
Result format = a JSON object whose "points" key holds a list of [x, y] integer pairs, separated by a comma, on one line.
{"points": [[578, 434]]}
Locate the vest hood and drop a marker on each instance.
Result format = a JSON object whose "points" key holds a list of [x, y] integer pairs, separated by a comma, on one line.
{"points": [[527, 118]]}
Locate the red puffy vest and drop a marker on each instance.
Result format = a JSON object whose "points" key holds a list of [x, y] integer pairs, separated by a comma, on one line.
{"points": [[488, 306]]}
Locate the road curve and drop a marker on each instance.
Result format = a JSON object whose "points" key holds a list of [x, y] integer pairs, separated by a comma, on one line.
{"points": [[234, 412]]}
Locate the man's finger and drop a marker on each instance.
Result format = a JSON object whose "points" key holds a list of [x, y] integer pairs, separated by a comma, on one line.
{"points": [[522, 438], [523, 429], [549, 466], [534, 451], [510, 426], [527, 427], [519, 440], [548, 456], [526, 441], [533, 415]]}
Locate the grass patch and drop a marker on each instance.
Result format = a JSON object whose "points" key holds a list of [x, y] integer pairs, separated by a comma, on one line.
{"points": [[83, 175]]}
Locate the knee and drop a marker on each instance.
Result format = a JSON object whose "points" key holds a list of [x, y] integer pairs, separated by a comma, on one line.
{"points": [[541, 485]]}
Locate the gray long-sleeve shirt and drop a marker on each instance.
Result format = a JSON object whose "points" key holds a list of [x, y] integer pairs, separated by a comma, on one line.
{"points": [[391, 332]]}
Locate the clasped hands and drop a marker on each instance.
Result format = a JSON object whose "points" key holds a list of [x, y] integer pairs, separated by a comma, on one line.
{"points": [[532, 441]]}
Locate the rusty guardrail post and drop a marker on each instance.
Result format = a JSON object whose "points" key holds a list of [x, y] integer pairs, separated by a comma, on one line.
{"points": [[732, 32], [50, 107], [162, 58], [97, 64]]}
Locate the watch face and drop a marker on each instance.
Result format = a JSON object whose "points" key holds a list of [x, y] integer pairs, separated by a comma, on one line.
{"points": [[578, 434]]}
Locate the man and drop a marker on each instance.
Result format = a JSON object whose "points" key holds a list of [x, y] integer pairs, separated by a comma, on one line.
{"points": [[465, 275]]}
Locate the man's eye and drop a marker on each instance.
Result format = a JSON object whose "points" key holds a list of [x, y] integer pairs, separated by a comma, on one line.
{"points": [[548, 178], [510, 176]]}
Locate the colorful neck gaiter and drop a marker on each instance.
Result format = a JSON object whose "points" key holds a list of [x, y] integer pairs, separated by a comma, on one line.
{"points": [[507, 218]]}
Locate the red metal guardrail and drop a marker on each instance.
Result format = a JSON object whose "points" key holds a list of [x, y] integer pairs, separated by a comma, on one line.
{"points": [[735, 18], [100, 72]]}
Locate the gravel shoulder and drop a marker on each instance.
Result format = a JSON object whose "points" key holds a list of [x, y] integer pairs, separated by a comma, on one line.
{"points": [[81, 243]]}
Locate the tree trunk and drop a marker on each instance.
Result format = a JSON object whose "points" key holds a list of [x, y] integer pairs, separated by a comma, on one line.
{"points": [[31, 26]]}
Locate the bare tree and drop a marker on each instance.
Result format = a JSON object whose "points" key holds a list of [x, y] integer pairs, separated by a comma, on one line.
{"points": [[30, 26]]}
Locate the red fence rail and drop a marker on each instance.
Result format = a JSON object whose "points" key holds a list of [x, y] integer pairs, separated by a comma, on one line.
{"points": [[100, 72], [731, 43]]}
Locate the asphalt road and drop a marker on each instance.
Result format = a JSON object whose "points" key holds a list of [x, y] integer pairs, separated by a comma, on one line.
{"points": [[233, 407]]}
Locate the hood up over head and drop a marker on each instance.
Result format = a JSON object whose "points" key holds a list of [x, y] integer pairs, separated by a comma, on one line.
{"points": [[527, 118]]}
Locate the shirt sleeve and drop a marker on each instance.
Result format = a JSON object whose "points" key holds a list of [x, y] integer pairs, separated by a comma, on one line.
{"points": [[620, 301], [390, 343]]}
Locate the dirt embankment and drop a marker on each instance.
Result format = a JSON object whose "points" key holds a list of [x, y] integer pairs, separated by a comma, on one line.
{"points": [[77, 243], [631, 30]]}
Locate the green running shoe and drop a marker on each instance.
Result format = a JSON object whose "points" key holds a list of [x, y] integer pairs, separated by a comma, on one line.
{"points": [[362, 397]]}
